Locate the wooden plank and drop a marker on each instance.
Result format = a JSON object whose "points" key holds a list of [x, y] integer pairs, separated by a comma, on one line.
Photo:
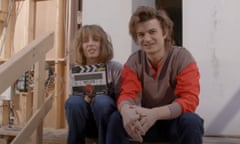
{"points": [[24, 59], [30, 4], [34, 122], [39, 94], [3, 141], [51, 11], [43, 25], [5, 113], [29, 105], [3, 28], [3, 15], [60, 95], [59, 67], [72, 27], [31, 11], [9, 45], [5, 131]]}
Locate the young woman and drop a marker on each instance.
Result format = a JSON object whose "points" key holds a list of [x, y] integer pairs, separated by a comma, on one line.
{"points": [[88, 117]]}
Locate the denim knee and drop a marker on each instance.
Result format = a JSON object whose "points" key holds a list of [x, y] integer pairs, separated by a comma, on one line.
{"points": [[191, 121], [75, 104], [77, 114], [116, 133], [103, 104]]}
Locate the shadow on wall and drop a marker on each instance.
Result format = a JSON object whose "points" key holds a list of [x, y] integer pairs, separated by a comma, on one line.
{"points": [[227, 114]]}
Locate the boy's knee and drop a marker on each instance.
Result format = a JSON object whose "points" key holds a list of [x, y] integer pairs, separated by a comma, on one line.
{"points": [[191, 121], [116, 117]]}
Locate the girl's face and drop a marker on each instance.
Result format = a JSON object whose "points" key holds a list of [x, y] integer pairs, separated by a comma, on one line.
{"points": [[91, 49]]}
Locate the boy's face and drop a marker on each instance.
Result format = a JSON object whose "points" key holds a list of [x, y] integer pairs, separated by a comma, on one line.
{"points": [[150, 37]]}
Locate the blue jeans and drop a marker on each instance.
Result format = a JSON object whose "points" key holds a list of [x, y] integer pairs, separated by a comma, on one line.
{"points": [[85, 120], [186, 129]]}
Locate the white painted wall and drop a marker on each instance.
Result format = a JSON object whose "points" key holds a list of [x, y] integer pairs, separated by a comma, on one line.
{"points": [[6, 95], [112, 15], [211, 31]]}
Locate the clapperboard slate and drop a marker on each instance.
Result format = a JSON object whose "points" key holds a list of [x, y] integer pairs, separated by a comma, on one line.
{"points": [[89, 79]]}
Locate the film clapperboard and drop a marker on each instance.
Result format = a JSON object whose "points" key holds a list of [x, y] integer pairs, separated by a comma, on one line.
{"points": [[89, 80]]}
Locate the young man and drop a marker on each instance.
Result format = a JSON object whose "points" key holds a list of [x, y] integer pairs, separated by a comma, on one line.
{"points": [[160, 87]]}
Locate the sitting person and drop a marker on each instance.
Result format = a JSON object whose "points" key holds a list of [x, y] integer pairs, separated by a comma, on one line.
{"points": [[87, 117], [159, 88]]}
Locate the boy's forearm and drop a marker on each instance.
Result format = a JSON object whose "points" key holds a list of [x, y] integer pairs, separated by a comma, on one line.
{"points": [[166, 112]]}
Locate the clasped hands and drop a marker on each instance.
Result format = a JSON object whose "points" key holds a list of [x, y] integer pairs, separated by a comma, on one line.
{"points": [[137, 120]]}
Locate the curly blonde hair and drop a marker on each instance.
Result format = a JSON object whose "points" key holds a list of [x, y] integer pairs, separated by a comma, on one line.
{"points": [[106, 48]]}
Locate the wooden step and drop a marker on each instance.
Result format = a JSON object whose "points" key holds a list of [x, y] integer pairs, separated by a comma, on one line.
{"points": [[59, 136]]}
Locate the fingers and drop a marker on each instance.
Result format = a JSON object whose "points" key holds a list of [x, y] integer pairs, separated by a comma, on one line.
{"points": [[135, 130], [139, 127], [146, 123], [132, 124], [137, 137], [145, 126], [134, 133]]}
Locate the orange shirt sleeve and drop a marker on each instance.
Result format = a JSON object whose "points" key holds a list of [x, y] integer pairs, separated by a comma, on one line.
{"points": [[130, 85], [188, 88]]}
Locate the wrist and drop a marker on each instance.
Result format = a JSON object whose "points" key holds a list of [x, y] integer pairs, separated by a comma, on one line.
{"points": [[156, 113], [123, 107], [123, 104], [162, 113]]}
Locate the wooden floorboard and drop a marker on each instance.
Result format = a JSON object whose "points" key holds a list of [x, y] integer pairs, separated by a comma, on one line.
{"points": [[53, 136], [221, 140]]}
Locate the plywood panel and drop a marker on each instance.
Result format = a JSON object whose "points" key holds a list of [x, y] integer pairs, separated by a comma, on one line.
{"points": [[7, 21], [46, 16], [60, 83]]}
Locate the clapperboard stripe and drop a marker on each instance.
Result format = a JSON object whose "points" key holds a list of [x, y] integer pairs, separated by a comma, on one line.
{"points": [[91, 75], [87, 68]]}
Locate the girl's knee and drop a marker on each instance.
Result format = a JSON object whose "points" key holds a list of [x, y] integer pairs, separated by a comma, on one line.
{"points": [[75, 102], [103, 101]]}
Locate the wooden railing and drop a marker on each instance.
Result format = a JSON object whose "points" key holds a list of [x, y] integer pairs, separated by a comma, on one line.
{"points": [[14, 67]]}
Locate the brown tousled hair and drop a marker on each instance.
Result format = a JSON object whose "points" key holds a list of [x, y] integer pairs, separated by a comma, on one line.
{"points": [[145, 13], [106, 48]]}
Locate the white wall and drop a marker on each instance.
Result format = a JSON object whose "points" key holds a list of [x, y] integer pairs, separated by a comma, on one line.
{"points": [[211, 31], [113, 16], [6, 95]]}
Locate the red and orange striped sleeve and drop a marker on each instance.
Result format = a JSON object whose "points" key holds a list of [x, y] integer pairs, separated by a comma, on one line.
{"points": [[188, 88], [130, 86]]}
